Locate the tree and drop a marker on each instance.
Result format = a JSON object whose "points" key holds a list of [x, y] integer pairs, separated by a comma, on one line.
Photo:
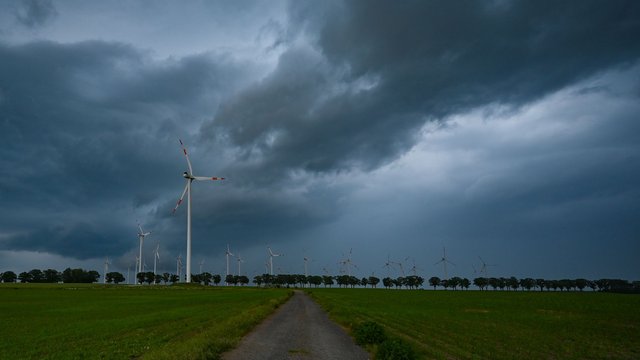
{"points": [[216, 279], [540, 284], [157, 279], [494, 283], [327, 280], [206, 278], [481, 282], [315, 280], [174, 278], [166, 277], [24, 277], [243, 280], [387, 282], [434, 281], [513, 283], [9, 277], [37, 276], [52, 276], [527, 283], [465, 283], [115, 277], [364, 282], [455, 282], [373, 281], [140, 277], [581, 283]]}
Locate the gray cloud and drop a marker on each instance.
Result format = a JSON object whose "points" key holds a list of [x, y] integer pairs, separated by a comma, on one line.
{"points": [[352, 139], [35, 13], [381, 70]]}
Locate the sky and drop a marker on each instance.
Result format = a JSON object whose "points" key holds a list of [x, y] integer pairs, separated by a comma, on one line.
{"points": [[506, 132]]}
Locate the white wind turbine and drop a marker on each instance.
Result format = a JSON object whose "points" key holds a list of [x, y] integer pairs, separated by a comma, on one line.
{"points": [[483, 269], [414, 269], [141, 236], [239, 262], [271, 256], [227, 254], [106, 268], [179, 266], [387, 265], [348, 263], [187, 190], [156, 258], [444, 262], [306, 259]]}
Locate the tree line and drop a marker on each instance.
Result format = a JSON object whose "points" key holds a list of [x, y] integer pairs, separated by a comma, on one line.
{"points": [[345, 281]]}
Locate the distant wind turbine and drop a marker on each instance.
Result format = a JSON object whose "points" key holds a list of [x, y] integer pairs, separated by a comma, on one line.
{"points": [[271, 256], [348, 263], [187, 190], [387, 264], [179, 266], [156, 258], [106, 268], [306, 259], [483, 269], [239, 262], [444, 262], [227, 254], [141, 236]]}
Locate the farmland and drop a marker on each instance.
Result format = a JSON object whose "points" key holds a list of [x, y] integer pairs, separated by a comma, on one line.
{"points": [[68, 321], [496, 324]]}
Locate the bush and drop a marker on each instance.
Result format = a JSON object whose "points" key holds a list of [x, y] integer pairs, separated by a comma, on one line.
{"points": [[395, 349], [369, 332]]}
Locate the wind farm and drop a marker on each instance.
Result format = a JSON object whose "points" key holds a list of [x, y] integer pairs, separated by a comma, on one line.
{"points": [[448, 182]]}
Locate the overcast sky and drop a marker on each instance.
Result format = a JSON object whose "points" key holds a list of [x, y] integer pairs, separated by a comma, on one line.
{"points": [[507, 130]]}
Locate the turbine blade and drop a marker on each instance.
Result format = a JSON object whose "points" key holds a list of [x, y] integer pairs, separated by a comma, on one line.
{"points": [[186, 186], [207, 178], [186, 155]]}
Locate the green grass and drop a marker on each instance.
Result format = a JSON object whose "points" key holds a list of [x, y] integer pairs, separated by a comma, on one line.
{"points": [[70, 321], [496, 325]]}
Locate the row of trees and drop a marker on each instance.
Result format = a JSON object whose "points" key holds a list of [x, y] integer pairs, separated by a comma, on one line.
{"points": [[513, 283], [51, 276], [409, 282]]}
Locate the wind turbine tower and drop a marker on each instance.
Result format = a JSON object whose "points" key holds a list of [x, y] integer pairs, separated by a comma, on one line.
{"points": [[187, 190], [227, 254], [106, 268], [141, 236], [306, 259], [179, 266], [156, 258], [240, 261]]}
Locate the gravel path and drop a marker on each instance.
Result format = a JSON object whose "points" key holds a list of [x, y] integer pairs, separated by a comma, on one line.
{"points": [[299, 329]]}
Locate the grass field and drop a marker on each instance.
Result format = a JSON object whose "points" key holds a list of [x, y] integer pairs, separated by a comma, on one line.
{"points": [[70, 321], [496, 325]]}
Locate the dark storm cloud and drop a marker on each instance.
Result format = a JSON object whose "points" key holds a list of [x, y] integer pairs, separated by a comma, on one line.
{"points": [[83, 124], [381, 70], [35, 13]]}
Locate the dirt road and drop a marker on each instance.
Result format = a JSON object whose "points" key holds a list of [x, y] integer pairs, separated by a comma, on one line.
{"points": [[299, 329]]}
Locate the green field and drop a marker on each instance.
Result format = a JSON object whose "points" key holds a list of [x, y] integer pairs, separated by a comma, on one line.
{"points": [[70, 321], [496, 324]]}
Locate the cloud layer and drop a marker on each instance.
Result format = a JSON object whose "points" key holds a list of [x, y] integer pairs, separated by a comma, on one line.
{"points": [[506, 128]]}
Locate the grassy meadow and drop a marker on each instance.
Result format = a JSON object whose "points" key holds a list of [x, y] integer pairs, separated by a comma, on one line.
{"points": [[496, 324], [68, 321]]}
